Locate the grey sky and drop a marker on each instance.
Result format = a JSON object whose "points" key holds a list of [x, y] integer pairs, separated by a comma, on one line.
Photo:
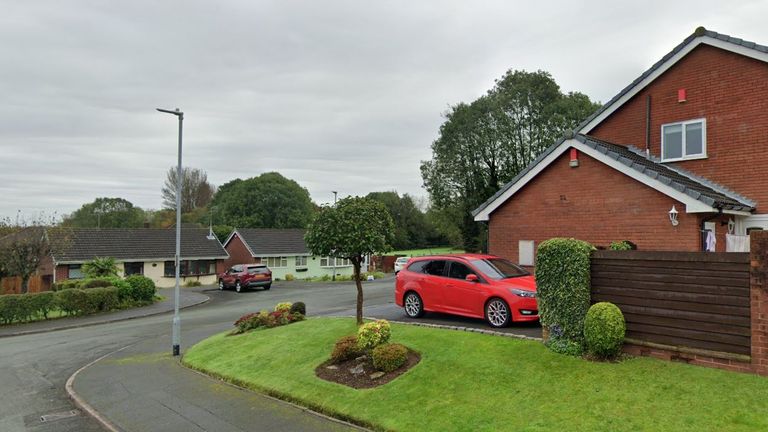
{"points": [[340, 96]]}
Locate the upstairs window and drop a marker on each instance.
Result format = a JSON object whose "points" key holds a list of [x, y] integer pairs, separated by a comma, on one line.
{"points": [[684, 140]]}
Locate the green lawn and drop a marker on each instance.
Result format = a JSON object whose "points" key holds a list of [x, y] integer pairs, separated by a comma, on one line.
{"points": [[473, 382], [422, 252]]}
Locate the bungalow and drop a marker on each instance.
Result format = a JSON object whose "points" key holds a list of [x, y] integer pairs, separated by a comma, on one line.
{"points": [[150, 252], [283, 251], [673, 162]]}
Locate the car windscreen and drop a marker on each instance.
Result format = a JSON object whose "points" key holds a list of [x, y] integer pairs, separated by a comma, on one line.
{"points": [[257, 270], [497, 268]]}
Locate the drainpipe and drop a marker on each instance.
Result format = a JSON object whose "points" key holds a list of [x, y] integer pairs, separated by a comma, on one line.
{"points": [[701, 228], [648, 126]]}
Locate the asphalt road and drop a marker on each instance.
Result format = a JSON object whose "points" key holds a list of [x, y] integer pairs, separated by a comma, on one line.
{"points": [[34, 368]]}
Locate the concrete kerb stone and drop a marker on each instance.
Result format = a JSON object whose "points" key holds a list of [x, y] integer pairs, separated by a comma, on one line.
{"points": [[107, 321], [460, 328]]}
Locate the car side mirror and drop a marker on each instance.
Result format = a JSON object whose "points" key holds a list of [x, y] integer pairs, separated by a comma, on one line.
{"points": [[471, 278]]}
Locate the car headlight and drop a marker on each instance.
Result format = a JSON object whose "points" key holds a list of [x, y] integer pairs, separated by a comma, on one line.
{"points": [[523, 293]]}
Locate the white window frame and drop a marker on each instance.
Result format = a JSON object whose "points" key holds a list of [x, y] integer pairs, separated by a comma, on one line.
{"points": [[303, 258], [340, 262], [283, 261], [683, 124]]}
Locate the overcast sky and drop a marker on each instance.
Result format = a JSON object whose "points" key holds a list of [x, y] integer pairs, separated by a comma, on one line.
{"points": [[343, 96]]}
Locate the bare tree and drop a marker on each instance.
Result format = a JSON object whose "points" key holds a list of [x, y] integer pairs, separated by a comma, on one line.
{"points": [[196, 192], [28, 247]]}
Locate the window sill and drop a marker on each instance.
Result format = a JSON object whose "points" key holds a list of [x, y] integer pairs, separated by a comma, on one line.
{"points": [[687, 158]]}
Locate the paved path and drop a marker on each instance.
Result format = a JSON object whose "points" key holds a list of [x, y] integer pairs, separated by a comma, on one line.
{"points": [[187, 297]]}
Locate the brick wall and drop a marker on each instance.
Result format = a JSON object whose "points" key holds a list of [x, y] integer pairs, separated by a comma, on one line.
{"points": [[238, 253], [595, 203], [731, 92]]}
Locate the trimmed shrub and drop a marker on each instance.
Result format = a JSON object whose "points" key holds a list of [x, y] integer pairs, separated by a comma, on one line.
{"points": [[289, 277], [95, 283], [604, 330], [72, 301], [15, 307], [622, 245], [102, 299], [563, 285], [67, 284], [299, 307], [388, 357], [42, 303], [142, 288], [372, 334], [345, 349], [283, 307]]}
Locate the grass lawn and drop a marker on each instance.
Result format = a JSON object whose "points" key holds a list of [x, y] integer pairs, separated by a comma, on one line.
{"points": [[473, 382], [422, 252]]}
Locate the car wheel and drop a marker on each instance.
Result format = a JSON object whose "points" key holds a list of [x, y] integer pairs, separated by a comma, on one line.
{"points": [[267, 287], [221, 285], [238, 287], [413, 305], [497, 313]]}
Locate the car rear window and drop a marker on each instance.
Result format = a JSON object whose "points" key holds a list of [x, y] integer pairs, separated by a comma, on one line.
{"points": [[435, 268], [257, 270], [497, 268], [418, 266]]}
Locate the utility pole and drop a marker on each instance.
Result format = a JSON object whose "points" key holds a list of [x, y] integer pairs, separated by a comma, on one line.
{"points": [[333, 278]]}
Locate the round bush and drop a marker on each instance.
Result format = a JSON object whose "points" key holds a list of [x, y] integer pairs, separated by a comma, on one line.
{"points": [[95, 283], [388, 357], [345, 349], [299, 307], [142, 288], [373, 334], [283, 307], [604, 330]]}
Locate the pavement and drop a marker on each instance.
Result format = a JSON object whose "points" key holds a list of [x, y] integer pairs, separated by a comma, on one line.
{"points": [[137, 386], [187, 297]]}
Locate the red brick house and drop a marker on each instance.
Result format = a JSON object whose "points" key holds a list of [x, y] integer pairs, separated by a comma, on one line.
{"points": [[689, 134]]}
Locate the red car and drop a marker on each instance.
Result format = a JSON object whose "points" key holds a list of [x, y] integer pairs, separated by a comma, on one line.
{"points": [[246, 276], [472, 285]]}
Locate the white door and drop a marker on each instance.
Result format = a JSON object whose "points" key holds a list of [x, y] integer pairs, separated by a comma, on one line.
{"points": [[745, 225]]}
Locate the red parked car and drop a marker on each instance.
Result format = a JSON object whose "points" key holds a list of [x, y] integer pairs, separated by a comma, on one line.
{"points": [[246, 276], [472, 285]]}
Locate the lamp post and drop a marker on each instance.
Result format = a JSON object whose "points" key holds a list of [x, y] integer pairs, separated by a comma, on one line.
{"points": [[333, 278], [176, 320]]}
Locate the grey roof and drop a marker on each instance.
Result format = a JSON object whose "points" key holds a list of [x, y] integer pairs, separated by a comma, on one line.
{"points": [[268, 241], [697, 187], [699, 32], [125, 244]]}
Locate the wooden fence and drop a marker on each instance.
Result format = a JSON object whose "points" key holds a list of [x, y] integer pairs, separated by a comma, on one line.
{"points": [[12, 285], [684, 299]]}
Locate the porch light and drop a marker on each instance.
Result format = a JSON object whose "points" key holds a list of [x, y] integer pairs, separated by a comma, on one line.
{"points": [[673, 216]]}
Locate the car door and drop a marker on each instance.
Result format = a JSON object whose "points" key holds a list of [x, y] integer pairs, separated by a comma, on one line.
{"points": [[229, 278], [431, 285], [462, 296]]}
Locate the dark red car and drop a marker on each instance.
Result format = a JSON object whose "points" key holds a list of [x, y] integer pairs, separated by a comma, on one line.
{"points": [[472, 285], [246, 276]]}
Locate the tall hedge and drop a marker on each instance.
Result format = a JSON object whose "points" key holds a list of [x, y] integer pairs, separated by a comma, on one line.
{"points": [[563, 286]]}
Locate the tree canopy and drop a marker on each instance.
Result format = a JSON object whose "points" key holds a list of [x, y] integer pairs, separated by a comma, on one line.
{"points": [[484, 144], [412, 229], [267, 201], [106, 213], [353, 228], [196, 192]]}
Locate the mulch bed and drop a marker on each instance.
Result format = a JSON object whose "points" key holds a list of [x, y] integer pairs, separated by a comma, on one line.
{"points": [[342, 375]]}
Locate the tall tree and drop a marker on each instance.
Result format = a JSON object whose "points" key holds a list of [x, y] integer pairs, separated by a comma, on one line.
{"points": [[411, 226], [267, 201], [106, 213], [353, 228], [196, 192], [484, 144]]}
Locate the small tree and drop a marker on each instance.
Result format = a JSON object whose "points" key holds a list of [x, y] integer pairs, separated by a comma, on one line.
{"points": [[354, 228], [100, 267]]}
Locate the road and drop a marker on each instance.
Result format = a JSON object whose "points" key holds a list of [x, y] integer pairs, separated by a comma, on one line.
{"points": [[34, 368]]}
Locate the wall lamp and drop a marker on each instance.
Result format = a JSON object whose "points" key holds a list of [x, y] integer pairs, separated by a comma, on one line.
{"points": [[673, 216]]}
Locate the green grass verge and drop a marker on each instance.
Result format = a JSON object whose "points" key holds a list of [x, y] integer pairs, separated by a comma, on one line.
{"points": [[468, 381], [427, 251]]}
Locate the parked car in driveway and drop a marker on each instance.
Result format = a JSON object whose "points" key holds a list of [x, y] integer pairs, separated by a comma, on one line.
{"points": [[400, 263], [243, 276], [472, 285]]}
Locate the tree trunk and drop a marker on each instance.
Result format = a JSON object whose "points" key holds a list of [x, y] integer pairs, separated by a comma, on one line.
{"points": [[24, 284], [356, 266]]}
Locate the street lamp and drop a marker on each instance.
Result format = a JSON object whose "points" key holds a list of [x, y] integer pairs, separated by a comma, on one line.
{"points": [[333, 278], [176, 320]]}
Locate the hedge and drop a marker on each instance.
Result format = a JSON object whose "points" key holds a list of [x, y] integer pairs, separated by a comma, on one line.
{"points": [[142, 288], [563, 286]]}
